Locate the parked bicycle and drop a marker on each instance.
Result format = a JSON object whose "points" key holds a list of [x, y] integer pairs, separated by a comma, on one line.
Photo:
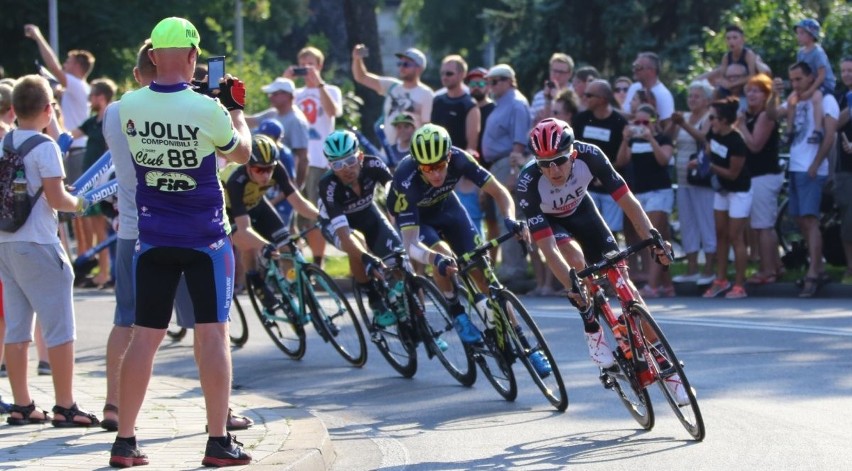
{"points": [[422, 317], [307, 294], [643, 354], [509, 332]]}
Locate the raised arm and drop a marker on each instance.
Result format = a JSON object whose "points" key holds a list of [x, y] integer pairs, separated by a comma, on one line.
{"points": [[359, 71]]}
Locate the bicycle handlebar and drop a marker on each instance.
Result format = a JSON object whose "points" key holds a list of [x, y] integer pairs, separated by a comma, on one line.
{"points": [[611, 260], [292, 239], [478, 252]]}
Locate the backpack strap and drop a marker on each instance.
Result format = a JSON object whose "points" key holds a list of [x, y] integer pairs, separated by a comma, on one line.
{"points": [[31, 143]]}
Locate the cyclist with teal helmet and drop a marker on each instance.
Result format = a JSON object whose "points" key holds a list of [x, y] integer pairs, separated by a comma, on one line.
{"points": [[350, 218], [433, 222]]}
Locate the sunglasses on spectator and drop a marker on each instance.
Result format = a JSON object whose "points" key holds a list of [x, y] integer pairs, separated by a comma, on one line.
{"points": [[477, 83], [641, 122], [448, 73], [341, 164], [560, 72], [262, 170], [493, 82], [404, 64], [436, 167], [620, 89], [548, 163], [638, 68]]}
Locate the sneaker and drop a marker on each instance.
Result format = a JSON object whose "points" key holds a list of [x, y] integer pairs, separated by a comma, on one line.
{"points": [[44, 368], [123, 455], [4, 407], [693, 278], [540, 364], [599, 351], [676, 389], [217, 455], [705, 279], [718, 287], [382, 315], [649, 293], [466, 330], [737, 292], [442, 344]]}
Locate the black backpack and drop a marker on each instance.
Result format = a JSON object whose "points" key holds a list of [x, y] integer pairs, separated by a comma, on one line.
{"points": [[12, 162]]}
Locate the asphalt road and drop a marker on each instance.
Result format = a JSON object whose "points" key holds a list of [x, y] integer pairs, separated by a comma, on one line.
{"points": [[773, 379]]}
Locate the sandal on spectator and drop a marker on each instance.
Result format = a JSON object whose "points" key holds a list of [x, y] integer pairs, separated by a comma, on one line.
{"points": [[26, 415], [809, 287], [761, 279], [110, 425], [235, 422], [69, 414]]}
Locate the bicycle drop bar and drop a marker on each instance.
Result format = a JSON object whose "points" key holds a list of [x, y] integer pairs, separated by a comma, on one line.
{"points": [[485, 247], [610, 261], [290, 240]]}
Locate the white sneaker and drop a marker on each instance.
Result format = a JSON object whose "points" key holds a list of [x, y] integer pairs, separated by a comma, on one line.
{"points": [[675, 387], [599, 351], [687, 278]]}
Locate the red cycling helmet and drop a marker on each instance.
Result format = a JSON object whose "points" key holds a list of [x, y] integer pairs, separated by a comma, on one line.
{"points": [[550, 138]]}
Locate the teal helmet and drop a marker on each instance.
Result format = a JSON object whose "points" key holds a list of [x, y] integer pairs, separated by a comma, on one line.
{"points": [[340, 145], [430, 144]]}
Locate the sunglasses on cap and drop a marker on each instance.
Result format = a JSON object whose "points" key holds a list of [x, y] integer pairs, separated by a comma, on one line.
{"points": [[557, 161], [262, 170], [343, 163], [436, 167]]}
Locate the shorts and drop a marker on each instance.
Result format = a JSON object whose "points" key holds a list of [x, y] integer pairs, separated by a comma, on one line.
{"points": [[588, 228], [610, 210], [380, 235], [451, 223], [736, 203], [311, 191], [657, 200], [37, 280], [764, 203], [265, 220], [805, 194], [843, 199], [209, 275]]}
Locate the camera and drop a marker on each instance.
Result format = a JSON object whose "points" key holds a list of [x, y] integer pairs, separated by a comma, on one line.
{"points": [[637, 129], [215, 71], [363, 52], [300, 71], [549, 84]]}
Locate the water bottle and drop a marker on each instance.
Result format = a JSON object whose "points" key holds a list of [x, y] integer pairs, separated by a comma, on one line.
{"points": [[395, 296], [21, 200], [482, 306]]}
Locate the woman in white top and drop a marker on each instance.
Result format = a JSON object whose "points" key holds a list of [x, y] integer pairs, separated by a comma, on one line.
{"points": [[694, 203]]}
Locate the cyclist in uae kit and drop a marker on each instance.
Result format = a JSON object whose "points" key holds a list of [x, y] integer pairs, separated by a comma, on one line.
{"points": [[174, 135], [253, 219], [351, 219], [429, 213], [552, 191]]}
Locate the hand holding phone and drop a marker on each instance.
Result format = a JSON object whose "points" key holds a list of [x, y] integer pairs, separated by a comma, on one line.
{"points": [[300, 71], [215, 71], [363, 52]]}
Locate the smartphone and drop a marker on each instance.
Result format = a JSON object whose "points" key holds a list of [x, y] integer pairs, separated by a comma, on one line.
{"points": [[300, 71], [549, 84], [215, 71], [364, 52]]}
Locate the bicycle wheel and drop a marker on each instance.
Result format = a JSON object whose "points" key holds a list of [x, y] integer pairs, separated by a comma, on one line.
{"points": [[281, 324], [495, 354], [550, 384], [689, 413], [623, 380], [238, 327], [333, 315], [786, 228], [428, 305], [393, 341], [176, 333]]}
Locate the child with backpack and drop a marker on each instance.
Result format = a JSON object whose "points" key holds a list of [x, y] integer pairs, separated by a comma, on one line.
{"points": [[31, 257]]}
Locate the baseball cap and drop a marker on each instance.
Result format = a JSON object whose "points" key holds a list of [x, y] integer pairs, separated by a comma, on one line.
{"points": [[476, 73], [501, 70], [272, 128], [403, 118], [280, 84], [811, 26], [174, 32], [415, 55]]}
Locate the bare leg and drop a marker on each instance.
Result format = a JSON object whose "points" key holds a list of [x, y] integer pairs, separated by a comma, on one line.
{"points": [[136, 370], [62, 362], [16, 366], [736, 235], [41, 348], [213, 356], [317, 244], [119, 339], [722, 244]]}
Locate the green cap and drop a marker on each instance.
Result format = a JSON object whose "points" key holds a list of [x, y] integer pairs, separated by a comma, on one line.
{"points": [[174, 32]]}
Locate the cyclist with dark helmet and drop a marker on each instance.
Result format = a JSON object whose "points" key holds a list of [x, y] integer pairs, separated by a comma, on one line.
{"points": [[552, 191], [254, 221], [433, 222], [351, 219]]}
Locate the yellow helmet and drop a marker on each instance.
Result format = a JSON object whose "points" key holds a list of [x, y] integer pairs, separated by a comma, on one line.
{"points": [[430, 144], [264, 151]]}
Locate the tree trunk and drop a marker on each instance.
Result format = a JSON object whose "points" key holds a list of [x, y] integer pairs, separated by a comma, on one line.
{"points": [[362, 28]]}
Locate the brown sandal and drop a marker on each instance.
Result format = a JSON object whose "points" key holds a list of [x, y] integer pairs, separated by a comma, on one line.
{"points": [[26, 415], [69, 414]]}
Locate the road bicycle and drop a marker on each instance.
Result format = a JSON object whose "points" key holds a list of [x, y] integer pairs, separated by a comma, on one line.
{"points": [[643, 354], [306, 294], [422, 317], [509, 332], [238, 328]]}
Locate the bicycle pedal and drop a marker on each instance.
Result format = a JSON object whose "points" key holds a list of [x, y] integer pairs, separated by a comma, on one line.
{"points": [[606, 380]]}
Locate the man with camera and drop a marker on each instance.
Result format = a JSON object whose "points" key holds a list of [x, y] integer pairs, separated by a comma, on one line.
{"points": [[561, 73]]}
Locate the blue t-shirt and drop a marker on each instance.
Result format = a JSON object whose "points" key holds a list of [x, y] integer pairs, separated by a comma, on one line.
{"points": [[173, 133], [817, 58]]}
